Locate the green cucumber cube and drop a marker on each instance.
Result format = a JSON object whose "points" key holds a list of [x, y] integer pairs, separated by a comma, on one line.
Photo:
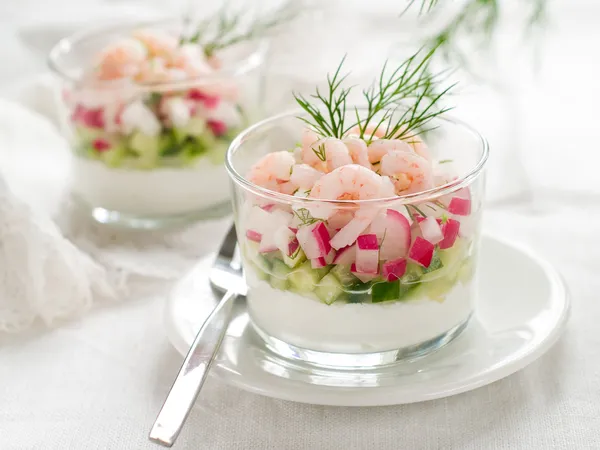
{"points": [[195, 127], [216, 152], [304, 278], [114, 157], [279, 275], [385, 292], [147, 148], [344, 275], [329, 289], [295, 260]]}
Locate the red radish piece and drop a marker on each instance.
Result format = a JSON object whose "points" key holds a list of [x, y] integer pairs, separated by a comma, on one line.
{"points": [[101, 145], [350, 232], [93, 118], [314, 240], [394, 270], [269, 207], [430, 229], [421, 251], [367, 253], [330, 256], [364, 277], [317, 263], [345, 255], [218, 127], [293, 230], [450, 230], [210, 101], [253, 235], [393, 233], [419, 218], [460, 206], [285, 240]]}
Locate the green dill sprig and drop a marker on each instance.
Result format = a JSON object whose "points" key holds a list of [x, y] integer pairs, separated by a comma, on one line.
{"points": [[320, 152], [226, 28], [478, 21], [304, 216], [403, 101], [331, 121]]}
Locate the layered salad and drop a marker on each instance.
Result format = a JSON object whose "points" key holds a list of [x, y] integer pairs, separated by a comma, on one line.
{"points": [[154, 108], [344, 251]]}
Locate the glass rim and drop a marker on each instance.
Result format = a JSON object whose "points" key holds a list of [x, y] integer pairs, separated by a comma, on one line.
{"points": [[67, 44], [417, 197]]}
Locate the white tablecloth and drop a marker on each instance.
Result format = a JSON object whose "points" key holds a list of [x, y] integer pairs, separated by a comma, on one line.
{"points": [[97, 383]]}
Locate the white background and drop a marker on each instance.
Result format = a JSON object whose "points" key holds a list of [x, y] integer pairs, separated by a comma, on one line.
{"points": [[98, 383]]}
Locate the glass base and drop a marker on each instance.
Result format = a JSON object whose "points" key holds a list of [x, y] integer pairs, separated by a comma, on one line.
{"points": [[358, 361], [133, 221]]}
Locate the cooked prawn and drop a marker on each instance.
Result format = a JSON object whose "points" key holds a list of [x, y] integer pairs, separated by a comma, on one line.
{"points": [[377, 149], [372, 131], [350, 182], [273, 171], [121, 59], [408, 171], [326, 154], [358, 151], [156, 42], [304, 176]]}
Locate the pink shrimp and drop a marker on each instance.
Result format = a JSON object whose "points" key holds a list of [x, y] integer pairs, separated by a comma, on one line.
{"points": [[273, 172], [304, 176], [382, 147], [370, 132], [408, 171], [158, 43], [350, 182], [326, 154], [358, 151], [121, 59]]}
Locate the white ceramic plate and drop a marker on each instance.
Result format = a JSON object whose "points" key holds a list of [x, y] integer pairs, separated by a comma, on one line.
{"points": [[522, 309]]}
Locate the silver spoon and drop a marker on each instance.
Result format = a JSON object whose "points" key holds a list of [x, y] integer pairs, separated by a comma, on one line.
{"points": [[226, 276]]}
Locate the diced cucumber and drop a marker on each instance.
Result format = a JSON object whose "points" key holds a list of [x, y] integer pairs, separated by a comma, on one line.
{"points": [[147, 148], [438, 289], [386, 291], [195, 127], [436, 263], [329, 289], [216, 152], [114, 157], [467, 270], [391, 291], [279, 275], [261, 265], [358, 297], [450, 257], [88, 134], [296, 259], [413, 274], [344, 275], [304, 278]]}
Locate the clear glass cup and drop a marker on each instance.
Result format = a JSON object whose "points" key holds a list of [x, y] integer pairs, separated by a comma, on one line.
{"points": [[388, 295], [150, 153]]}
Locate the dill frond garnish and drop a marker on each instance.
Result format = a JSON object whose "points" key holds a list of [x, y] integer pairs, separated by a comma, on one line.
{"points": [[226, 27], [403, 102]]}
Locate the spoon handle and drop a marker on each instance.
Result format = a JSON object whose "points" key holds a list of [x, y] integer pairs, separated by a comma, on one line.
{"points": [[192, 374]]}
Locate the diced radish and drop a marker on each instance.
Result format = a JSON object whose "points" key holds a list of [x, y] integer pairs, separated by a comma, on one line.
{"points": [[268, 207], [330, 256], [293, 230], [394, 270], [268, 243], [253, 235], [393, 233], [101, 145], [367, 253], [176, 110], [137, 116], [450, 230], [364, 277], [210, 101], [350, 232], [421, 251], [267, 223], [345, 255], [314, 240], [460, 206], [317, 263], [340, 219], [468, 226], [285, 240], [419, 218], [431, 230], [218, 127]]}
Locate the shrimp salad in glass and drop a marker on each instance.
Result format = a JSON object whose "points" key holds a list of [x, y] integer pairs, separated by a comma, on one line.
{"points": [[148, 101], [340, 252]]}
